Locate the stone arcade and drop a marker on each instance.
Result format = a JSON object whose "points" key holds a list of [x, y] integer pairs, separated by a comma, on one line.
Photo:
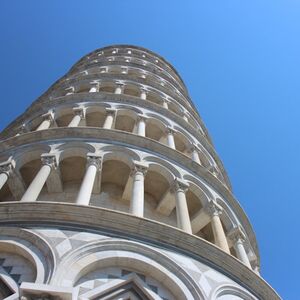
{"points": [[110, 188]]}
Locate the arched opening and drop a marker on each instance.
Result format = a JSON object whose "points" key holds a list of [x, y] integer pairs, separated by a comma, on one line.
{"points": [[207, 233], [159, 198], [83, 88], [153, 97], [174, 108], [35, 123], [114, 177], [95, 117], [5, 194], [193, 202], [65, 118], [114, 70], [182, 144], [107, 87], [197, 199], [72, 170], [155, 129], [156, 188], [29, 170], [131, 90], [192, 122], [114, 265], [204, 157], [125, 120]]}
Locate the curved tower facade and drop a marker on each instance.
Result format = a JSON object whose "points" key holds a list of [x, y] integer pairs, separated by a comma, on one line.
{"points": [[110, 188]]}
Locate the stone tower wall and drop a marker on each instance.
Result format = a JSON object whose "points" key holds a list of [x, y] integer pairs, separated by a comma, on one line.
{"points": [[110, 187]]}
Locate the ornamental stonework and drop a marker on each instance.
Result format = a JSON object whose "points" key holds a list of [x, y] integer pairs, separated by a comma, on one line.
{"points": [[110, 188]]}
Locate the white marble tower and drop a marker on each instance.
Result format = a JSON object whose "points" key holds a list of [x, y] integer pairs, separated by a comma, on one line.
{"points": [[110, 188]]}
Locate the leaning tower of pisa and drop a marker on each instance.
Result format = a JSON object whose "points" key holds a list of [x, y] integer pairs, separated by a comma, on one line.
{"points": [[110, 188]]}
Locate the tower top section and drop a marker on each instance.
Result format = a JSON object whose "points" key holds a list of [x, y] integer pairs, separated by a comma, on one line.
{"points": [[133, 51]]}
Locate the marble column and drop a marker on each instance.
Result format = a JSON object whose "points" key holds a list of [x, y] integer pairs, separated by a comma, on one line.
{"points": [[256, 270], [94, 88], [170, 138], [79, 115], [48, 119], [165, 104], [215, 211], [5, 171], [194, 155], [48, 163], [109, 120], [119, 89], [185, 118], [143, 94], [238, 238], [85, 191], [183, 218], [137, 193], [141, 125], [71, 89], [23, 129]]}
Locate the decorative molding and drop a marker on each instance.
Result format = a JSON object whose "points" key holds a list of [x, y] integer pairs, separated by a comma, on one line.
{"points": [[123, 224]]}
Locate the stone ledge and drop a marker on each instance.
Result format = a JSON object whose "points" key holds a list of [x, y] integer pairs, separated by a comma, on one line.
{"points": [[94, 218]]}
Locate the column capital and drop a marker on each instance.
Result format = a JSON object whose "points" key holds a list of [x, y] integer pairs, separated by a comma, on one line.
{"points": [[142, 117], [185, 116], [120, 84], [49, 159], [140, 167], [179, 185], [111, 111], [236, 234], [170, 130], [95, 82], [194, 147], [212, 169], [80, 111], [48, 116], [23, 128], [71, 89], [95, 160], [144, 90], [213, 208], [7, 166]]}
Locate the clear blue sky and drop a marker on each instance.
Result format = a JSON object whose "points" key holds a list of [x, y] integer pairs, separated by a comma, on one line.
{"points": [[241, 63]]}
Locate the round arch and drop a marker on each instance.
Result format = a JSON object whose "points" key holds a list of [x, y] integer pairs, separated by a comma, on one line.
{"points": [[125, 119], [199, 188], [73, 149], [131, 255], [32, 248], [231, 292], [167, 166], [30, 153]]}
